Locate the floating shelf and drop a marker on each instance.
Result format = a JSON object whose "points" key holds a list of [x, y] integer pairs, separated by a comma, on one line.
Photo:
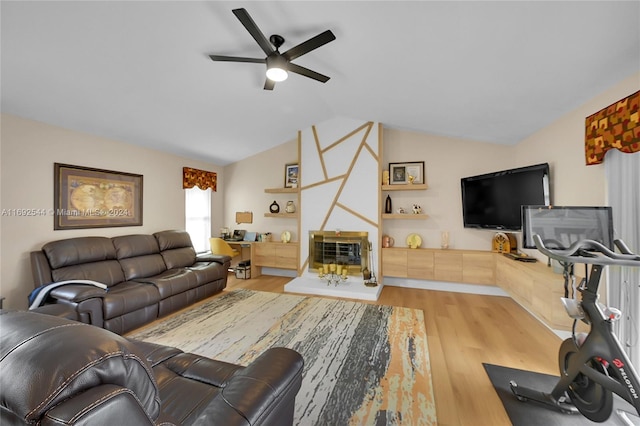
{"points": [[411, 187], [409, 216], [281, 190], [285, 215]]}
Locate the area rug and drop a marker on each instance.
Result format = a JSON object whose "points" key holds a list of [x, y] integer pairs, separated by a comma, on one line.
{"points": [[532, 414], [365, 364]]}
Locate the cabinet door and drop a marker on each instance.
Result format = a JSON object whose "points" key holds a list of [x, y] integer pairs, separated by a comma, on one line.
{"points": [[264, 254], [447, 266], [286, 256], [420, 264], [478, 268], [394, 262]]}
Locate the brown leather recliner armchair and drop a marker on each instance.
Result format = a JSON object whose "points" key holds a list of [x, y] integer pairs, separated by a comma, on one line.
{"points": [[59, 372]]}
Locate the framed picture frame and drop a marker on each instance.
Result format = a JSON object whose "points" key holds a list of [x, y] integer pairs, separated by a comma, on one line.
{"points": [[85, 197], [291, 174], [406, 173]]}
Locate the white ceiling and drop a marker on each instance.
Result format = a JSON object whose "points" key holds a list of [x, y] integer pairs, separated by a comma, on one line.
{"points": [[139, 72]]}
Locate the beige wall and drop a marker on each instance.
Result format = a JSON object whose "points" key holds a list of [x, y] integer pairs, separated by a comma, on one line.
{"points": [[562, 145], [447, 160], [29, 150], [245, 182]]}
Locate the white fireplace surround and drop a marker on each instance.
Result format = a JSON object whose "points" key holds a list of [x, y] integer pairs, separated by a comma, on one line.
{"points": [[339, 190]]}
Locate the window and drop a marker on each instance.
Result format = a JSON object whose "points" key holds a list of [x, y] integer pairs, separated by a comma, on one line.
{"points": [[197, 209], [623, 173]]}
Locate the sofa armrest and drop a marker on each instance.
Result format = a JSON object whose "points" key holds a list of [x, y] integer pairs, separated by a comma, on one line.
{"points": [[104, 404], [263, 393], [77, 292], [209, 257]]}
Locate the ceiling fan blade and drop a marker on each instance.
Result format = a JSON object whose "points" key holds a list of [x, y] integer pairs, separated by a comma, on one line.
{"points": [[307, 73], [236, 59], [253, 29], [309, 45], [269, 84]]}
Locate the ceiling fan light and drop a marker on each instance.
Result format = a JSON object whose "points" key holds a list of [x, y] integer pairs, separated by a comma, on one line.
{"points": [[277, 74], [276, 68]]}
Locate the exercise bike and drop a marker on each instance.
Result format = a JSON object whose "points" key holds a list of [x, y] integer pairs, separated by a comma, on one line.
{"points": [[594, 367]]}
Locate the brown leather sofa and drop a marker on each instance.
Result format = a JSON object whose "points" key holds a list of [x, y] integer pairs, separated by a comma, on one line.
{"points": [[57, 371], [147, 276]]}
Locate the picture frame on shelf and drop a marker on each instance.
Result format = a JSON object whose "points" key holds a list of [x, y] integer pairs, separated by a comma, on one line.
{"points": [[85, 197], [406, 173], [291, 174]]}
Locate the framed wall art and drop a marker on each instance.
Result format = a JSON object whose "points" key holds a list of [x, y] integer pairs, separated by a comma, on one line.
{"points": [[93, 198], [291, 173], [406, 173]]}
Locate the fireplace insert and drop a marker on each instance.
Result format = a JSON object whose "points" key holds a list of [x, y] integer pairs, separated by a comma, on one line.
{"points": [[347, 248]]}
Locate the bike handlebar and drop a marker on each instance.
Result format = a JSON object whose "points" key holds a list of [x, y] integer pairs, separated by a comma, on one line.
{"points": [[591, 252]]}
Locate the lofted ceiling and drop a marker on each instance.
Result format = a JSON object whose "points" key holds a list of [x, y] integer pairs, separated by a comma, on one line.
{"points": [[139, 71]]}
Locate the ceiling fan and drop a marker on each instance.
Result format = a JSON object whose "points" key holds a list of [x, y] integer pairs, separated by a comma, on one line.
{"points": [[278, 63]]}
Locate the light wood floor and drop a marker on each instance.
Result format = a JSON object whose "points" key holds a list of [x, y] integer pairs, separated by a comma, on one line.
{"points": [[463, 331]]}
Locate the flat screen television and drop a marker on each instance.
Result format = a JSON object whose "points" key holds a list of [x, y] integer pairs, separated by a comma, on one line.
{"points": [[495, 200], [561, 226]]}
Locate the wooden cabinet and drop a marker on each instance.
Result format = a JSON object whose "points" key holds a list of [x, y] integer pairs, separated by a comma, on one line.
{"points": [[478, 268], [536, 287], [448, 266], [394, 262], [275, 255], [456, 266], [420, 264]]}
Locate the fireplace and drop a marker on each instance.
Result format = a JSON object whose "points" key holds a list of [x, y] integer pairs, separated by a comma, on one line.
{"points": [[347, 248]]}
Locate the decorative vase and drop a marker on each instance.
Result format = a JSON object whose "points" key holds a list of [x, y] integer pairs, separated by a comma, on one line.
{"points": [[274, 207], [290, 208], [387, 241], [387, 205]]}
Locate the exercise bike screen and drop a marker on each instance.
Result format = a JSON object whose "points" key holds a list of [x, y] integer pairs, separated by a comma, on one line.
{"points": [[559, 227]]}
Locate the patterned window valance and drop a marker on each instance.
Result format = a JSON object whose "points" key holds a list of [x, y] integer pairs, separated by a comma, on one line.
{"points": [[616, 126], [200, 178]]}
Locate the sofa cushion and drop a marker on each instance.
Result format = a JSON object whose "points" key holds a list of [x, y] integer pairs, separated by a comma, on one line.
{"points": [[127, 297], [135, 245], [108, 272], [139, 256], [173, 281], [75, 251], [207, 272], [176, 248], [168, 240], [179, 257]]}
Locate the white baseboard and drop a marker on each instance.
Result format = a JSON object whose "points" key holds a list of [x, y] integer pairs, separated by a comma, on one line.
{"points": [[445, 286]]}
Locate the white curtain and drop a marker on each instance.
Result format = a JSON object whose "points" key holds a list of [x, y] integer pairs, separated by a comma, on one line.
{"points": [[623, 192], [197, 211]]}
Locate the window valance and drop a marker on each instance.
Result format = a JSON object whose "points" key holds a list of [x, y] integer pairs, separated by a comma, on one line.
{"points": [[200, 178], [617, 126]]}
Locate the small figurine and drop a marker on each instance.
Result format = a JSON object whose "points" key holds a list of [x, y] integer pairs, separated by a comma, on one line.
{"points": [[400, 210], [411, 179], [417, 209]]}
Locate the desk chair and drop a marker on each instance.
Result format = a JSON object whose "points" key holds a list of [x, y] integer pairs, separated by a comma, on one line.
{"points": [[220, 246]]}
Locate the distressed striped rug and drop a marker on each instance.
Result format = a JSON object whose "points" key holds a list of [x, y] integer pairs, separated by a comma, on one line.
{"points": [[364, 364]]}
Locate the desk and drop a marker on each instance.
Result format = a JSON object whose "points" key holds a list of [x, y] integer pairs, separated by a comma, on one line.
{"points": [[269, 254]]}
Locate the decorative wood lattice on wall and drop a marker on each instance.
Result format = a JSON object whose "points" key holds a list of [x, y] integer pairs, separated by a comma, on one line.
{"points": [[339, 183]]}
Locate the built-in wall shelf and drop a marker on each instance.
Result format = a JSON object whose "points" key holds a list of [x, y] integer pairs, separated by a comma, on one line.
{"points": [[409, 216], [285, 215], [407, 187], [281, 190]]}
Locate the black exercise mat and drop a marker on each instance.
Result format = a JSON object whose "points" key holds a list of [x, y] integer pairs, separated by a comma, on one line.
{"points": [[532, 414]]}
